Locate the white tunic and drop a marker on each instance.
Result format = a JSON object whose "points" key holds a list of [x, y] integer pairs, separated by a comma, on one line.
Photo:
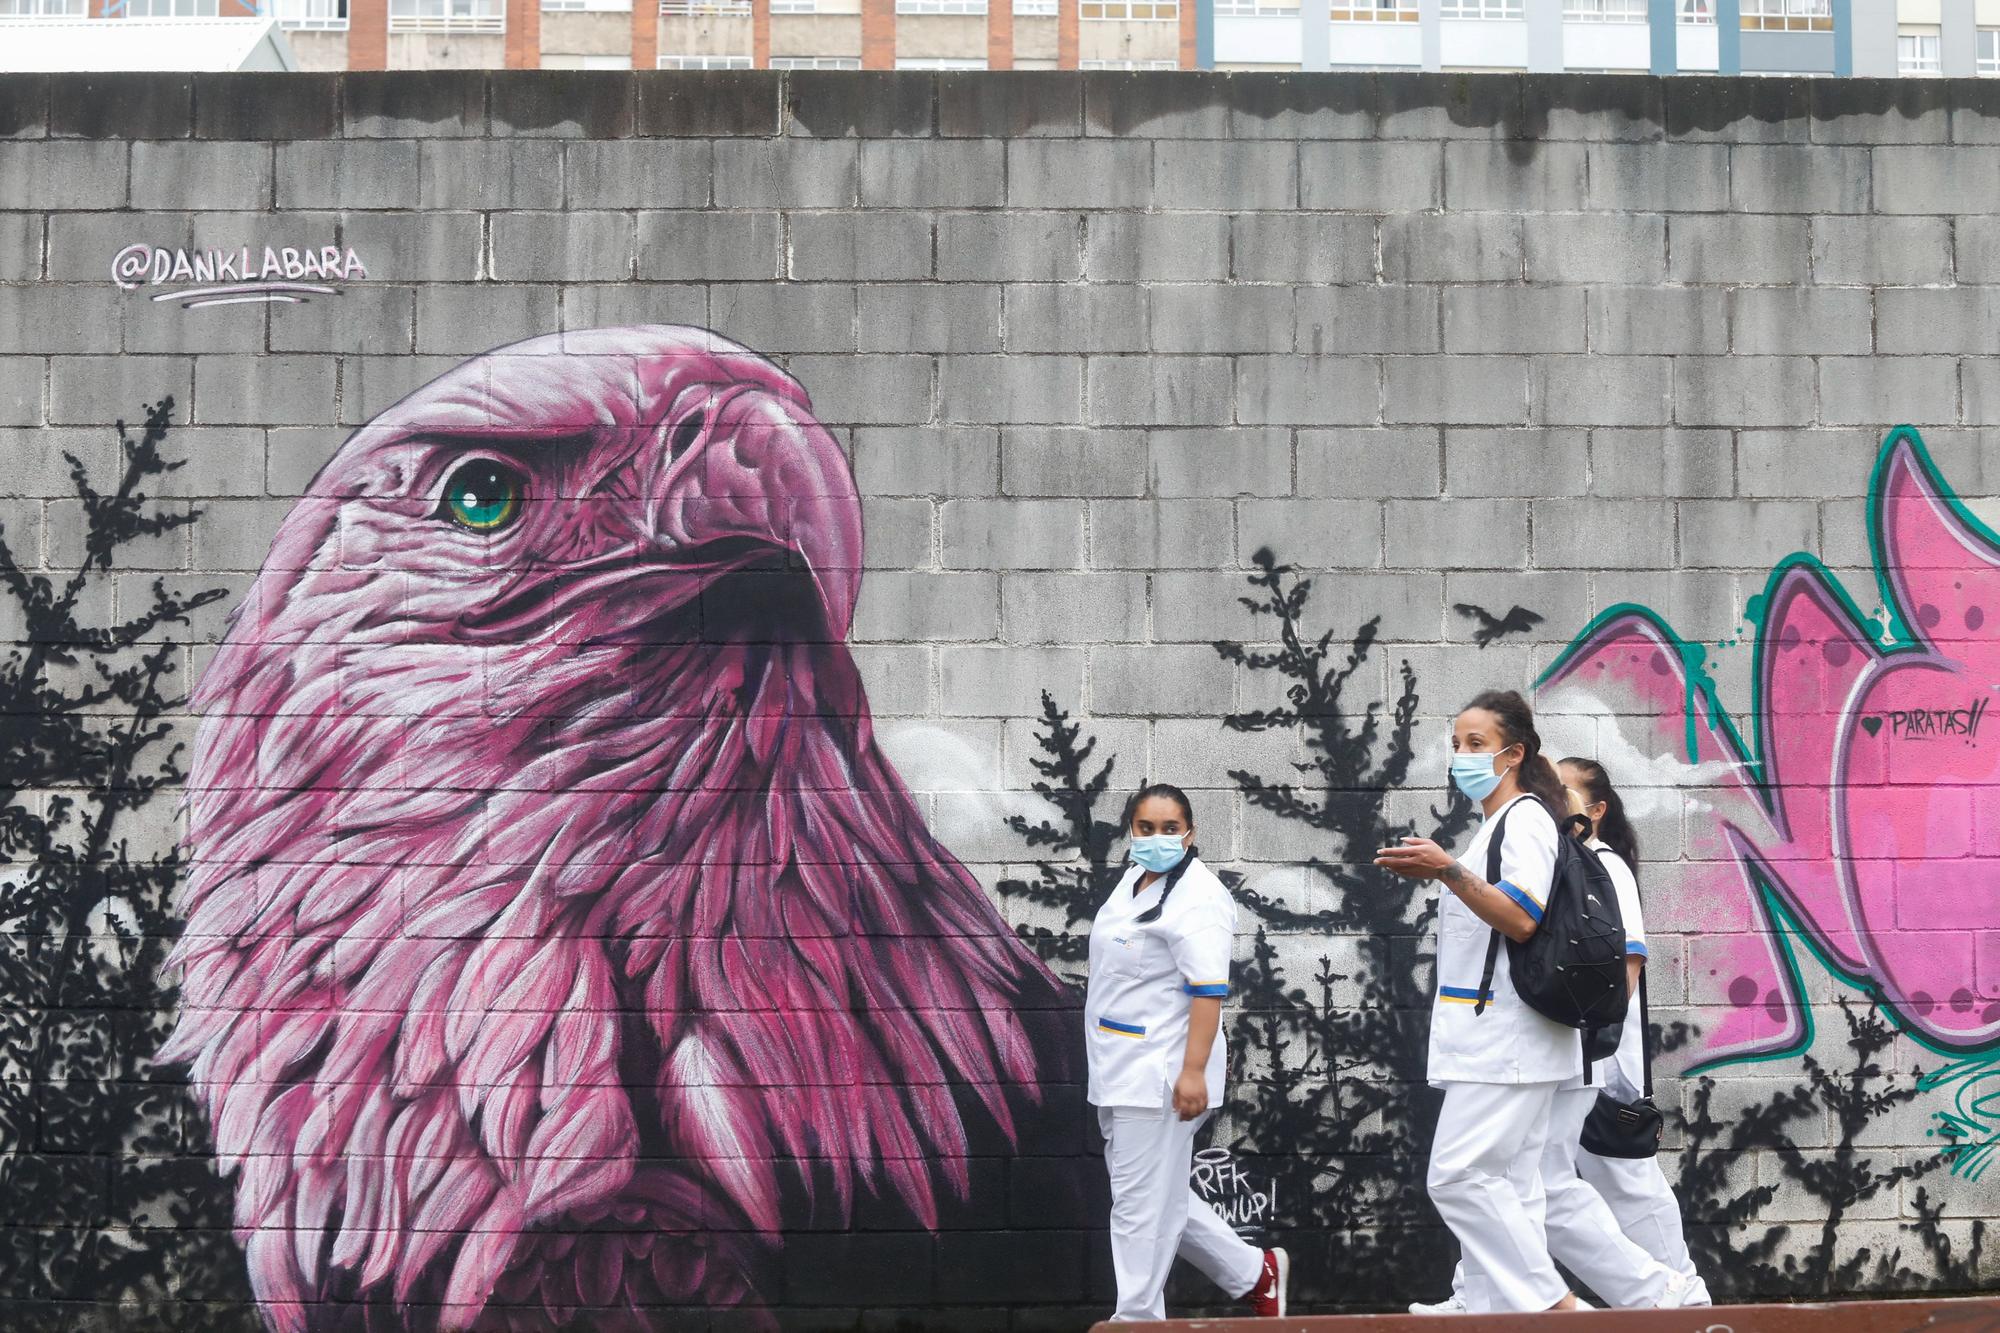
{"points": [[1142, 977], [1508, 1042]]}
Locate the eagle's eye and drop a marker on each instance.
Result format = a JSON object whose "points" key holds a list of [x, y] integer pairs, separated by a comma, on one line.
{"points": [[483, 496]]}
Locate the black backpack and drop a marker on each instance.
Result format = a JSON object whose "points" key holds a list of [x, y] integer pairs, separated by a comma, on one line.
{"points": [[1572, 969]]}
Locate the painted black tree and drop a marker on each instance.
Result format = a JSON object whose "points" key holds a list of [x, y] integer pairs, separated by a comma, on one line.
{"points": [[107, 1191]]}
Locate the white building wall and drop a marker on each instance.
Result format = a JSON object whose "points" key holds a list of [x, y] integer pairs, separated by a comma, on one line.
{"points": [[1607, 46]]}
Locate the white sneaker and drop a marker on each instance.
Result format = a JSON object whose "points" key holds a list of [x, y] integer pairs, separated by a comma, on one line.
{"points": [[1449, 1305], [1682, 1291]]}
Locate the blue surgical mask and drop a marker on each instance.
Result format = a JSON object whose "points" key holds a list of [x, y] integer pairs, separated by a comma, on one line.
{"points": [[1158, 853], [1475, 775]]}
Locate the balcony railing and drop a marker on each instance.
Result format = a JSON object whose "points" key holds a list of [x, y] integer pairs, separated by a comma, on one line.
{"points": [[311, 15], [1395, 11], [1604, 11], [1255, 9], [41, 9], [1788, 15], [1138, 11], [447, 16]]}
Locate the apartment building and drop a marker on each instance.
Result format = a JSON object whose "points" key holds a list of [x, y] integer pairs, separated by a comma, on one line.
{"points": [[1879, 38]]}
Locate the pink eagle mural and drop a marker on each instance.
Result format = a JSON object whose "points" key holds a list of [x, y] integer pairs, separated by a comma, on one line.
{"points": [[556, 934], [1860, 815]]}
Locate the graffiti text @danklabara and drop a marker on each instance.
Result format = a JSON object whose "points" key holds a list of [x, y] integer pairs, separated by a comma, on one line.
{"points": [[245, 274]]}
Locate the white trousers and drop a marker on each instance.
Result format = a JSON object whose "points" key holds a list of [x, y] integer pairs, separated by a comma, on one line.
{"points": [[1584, 1233], [1637, 1192], [1155, 1214], [1485, 1181], [1640, 1200]]}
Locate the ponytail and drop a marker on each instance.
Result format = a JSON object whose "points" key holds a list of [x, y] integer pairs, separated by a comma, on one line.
{"points": [[1538, 777], [1614, 830]]}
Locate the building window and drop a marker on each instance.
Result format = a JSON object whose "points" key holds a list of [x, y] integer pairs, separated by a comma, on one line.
{"points": [[1917, 52], [309, 15], [1696, 13], [1374, 11], [564, 61], [940, 6], [939, 62], [704, 62], [169, 9], [795, 6], [704, 6], [1035, 9], [1480, 9], [1129, 64], [1788, 15], [41, 9], [447, 16], [1989, 51], [1143, 11], [1604, 11], [815, 62]]}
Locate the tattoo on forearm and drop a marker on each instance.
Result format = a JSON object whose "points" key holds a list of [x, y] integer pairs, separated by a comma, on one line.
{"points": [[1455, 876]]}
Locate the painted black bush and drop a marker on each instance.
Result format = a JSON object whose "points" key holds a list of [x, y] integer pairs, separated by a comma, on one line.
{"points": [[1744, 1258], [107, 1187]]}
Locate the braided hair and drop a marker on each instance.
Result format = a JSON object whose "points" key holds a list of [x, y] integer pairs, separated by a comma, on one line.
{"points": [[1173, 877]]}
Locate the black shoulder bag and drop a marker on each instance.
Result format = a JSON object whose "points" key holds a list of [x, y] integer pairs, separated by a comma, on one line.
{"points": [[1627, 1129]]}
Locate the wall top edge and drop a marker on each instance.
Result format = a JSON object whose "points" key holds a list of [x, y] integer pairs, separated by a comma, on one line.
{"points": [[1027, 104]]}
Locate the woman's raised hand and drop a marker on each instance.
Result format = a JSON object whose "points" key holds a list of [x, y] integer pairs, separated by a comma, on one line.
{"points": [[1417, 858]]}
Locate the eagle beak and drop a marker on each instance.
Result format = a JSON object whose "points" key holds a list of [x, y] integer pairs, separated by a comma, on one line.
{"points": [[748, 465]]}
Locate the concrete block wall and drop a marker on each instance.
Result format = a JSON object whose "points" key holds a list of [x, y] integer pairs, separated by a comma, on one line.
{"points": [[1608, 351]]}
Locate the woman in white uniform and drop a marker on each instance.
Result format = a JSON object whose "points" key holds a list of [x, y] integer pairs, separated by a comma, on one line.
{"points": [[1631, 1253], [1497, 1060], [1159, 971], [1634, 1189]]}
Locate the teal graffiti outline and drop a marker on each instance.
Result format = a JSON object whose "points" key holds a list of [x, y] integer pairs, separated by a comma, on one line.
{"points": [[1972, 1124], [1780, 916]]}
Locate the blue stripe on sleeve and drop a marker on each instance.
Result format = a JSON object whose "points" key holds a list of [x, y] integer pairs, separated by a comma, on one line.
{"points": [[1634, 949], [1212, 989], [1527, 902]]}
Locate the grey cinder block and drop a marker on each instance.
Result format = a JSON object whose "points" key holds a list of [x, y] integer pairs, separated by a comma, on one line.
{"points": [[546, 247], [356, 173], [1013, 534]]}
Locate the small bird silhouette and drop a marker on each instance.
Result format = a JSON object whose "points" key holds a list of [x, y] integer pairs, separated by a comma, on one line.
{"points": [[1517, 621]]}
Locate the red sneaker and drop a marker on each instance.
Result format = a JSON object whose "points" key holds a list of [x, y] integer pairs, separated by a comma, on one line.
{"points": [[1267, 1298]]}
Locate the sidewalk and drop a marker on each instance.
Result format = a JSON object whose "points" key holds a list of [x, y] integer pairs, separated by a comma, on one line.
{"points": [[1979, 1314]]}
